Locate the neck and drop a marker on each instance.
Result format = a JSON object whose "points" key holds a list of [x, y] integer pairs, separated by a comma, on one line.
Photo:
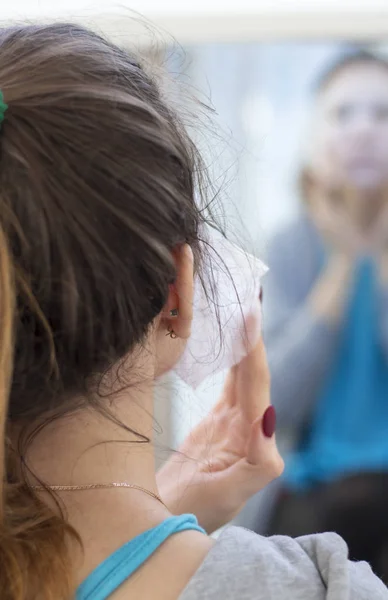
{"points": [[365, 207], [362, 206], [89, 447]]}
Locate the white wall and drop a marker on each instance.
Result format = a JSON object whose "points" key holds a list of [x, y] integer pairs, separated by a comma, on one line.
{"points": [[44, 8], [215, 20]]}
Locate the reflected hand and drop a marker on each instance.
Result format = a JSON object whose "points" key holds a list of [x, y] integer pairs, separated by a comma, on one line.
{"points": [[378, 243], [378, 234], [226, 458]]}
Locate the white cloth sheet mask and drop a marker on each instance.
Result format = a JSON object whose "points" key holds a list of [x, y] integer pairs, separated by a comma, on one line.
{"points": [[228, 324]]}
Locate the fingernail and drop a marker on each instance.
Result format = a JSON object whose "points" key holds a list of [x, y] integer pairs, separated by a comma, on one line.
{"points": [[269, 422], [261, 295]]}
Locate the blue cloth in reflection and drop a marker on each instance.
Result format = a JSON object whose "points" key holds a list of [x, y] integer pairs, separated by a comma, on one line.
{"points": [[349, 430]]}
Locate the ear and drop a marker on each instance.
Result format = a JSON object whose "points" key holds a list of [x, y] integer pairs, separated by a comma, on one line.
{"points": [[178, 311]]}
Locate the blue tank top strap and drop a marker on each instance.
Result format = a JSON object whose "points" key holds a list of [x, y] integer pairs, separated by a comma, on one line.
{"points": [[120, 565]]}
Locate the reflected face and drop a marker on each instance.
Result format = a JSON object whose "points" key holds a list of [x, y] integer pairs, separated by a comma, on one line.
{"points": [[351, 128]]}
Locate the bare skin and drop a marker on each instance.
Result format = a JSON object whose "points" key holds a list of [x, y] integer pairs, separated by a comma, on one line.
{"points": [[347, 199], [229, 460]]}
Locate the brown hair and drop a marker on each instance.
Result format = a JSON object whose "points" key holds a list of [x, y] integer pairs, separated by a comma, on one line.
{"points": [[97, 180], [350, 59]]}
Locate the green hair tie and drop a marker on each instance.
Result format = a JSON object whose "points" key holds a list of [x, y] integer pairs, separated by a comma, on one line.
{"points": [[3, 107]]}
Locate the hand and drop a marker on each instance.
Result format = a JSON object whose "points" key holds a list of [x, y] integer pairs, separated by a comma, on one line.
{"points": [[378, 243], [378, 234], [337, 227], [226, 458]]}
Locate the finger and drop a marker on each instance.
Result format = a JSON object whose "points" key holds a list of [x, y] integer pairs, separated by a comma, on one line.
{"points": [[262, 455], [184, 287], [254, 451], [244, 479], [252, 383], [262, 438], [229, 395], [250, 337]]}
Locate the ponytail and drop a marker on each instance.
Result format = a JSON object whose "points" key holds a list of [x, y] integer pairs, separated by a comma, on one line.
{"points": [[34, 545], [7, 308]]}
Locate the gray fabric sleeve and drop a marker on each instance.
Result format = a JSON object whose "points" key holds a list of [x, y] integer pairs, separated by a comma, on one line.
{"points": [[299, 345], [245, 566], [343, 578]]}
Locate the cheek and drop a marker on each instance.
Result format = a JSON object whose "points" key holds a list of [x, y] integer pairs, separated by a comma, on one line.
{"points": [[329, 154], [328, 139], [335, 143]]}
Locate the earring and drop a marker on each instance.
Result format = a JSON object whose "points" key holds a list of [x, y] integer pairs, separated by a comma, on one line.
{"points": [[171, 333], [173, 314]]}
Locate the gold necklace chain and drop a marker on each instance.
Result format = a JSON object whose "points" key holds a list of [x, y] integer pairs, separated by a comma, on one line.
{"points": [[96, 486]]}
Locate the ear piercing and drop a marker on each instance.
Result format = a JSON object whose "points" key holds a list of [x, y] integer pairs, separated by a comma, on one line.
{"points": [[171, 333], [173, 313]]}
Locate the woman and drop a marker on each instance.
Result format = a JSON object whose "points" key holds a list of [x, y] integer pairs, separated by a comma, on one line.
{"points": [[100, 239], [327, 317]]}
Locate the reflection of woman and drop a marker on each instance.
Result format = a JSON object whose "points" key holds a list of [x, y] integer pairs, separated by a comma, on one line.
{"points": [[99, 243], [327, 300]]}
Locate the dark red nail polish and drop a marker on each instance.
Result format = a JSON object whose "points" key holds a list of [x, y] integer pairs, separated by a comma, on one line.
{"points": [[269, 422], [261, 295]]}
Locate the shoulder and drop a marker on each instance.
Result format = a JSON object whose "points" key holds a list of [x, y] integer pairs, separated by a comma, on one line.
{"points": [[247, 566], [294, 256], [296, 236]]}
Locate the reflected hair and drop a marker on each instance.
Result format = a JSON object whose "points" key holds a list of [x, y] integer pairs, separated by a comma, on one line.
{"points": [[345, 61]]}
